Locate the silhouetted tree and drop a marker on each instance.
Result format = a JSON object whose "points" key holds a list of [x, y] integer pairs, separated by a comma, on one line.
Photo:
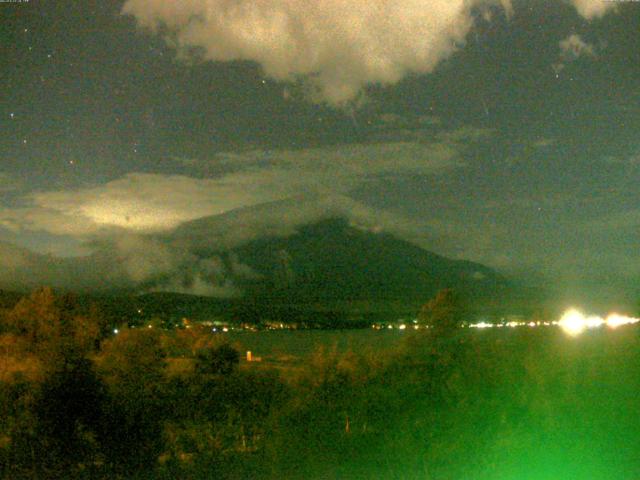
{"points": [[69, 415], [132, 366], [444, 313]]}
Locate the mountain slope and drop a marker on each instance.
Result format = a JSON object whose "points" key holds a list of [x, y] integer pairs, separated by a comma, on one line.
{"points": [[332, 261]]}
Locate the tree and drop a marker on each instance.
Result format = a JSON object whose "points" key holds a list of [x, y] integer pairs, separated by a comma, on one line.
{"points": [[54, 327], [132, 366], [222, 359], [47, 348], [36, 317], [133, 360], [444, 313], [69, 418]]}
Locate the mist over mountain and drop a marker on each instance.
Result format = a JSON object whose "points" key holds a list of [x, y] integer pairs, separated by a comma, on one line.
{"points": [[324, 273], [331, 260], [329, 264]]}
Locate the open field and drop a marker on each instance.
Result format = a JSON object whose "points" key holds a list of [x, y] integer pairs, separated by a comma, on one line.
{"points": [[300, 343]]}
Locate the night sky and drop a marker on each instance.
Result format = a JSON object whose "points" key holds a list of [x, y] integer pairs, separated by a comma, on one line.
{"points": [[501, 133]]}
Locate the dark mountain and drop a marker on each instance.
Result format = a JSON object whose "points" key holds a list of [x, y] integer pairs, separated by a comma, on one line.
{"points": [[323, 273], [332, 262], [328, 272]]}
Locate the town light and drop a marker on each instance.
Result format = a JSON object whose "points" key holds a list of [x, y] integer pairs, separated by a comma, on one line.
{"points": [[573, 322]]}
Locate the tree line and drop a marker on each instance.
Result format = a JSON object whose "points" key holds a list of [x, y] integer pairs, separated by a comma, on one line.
{"points": [[79, 401]]}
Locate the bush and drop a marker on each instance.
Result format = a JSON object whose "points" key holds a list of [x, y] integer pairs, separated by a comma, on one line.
{"points": [[219, 360]]}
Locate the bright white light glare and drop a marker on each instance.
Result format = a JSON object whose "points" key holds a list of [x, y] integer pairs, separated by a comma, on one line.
{"points": [[614, 320], [594, 322], [574, 322], [481, 325]]}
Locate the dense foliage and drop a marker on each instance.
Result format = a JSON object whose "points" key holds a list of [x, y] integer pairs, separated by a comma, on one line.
{"points": [[79, 401]]}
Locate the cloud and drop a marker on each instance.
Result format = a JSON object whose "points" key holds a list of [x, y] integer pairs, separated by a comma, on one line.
{"points": [[201, 287], [13, 257], [336, 47], [283, 218], [173, 232], [194, 258], [22, 269], [590, 9], [136, 202], [139, 262], [574, 47], [141, 202], [154, 264]]}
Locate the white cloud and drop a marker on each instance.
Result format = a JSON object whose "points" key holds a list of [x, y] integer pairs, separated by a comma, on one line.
{"points": [[170, 232], [135, 261], [152, 202], [574, 47], [590, 9], [283, 218], [337, 47], [20, 268], [200, 286], [193, 258]]}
